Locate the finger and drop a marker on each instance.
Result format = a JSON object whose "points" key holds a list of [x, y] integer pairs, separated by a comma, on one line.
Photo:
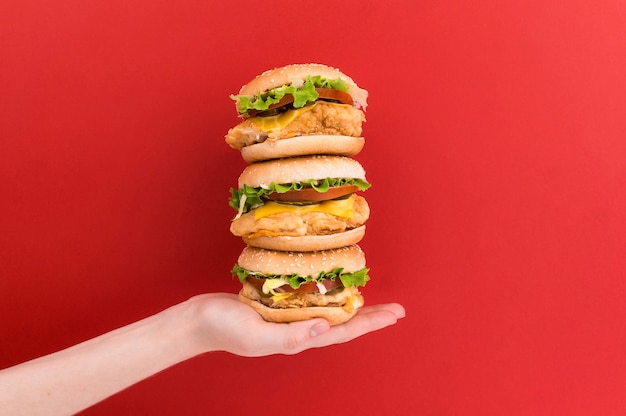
{"points": [[395, 308], [364, 322], [294, 337], [299, 333], [368, 319], [287, 338]]}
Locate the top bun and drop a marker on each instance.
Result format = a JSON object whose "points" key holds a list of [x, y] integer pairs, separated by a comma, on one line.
{"points": [[296, 74], [311, 263], [298, 169]]}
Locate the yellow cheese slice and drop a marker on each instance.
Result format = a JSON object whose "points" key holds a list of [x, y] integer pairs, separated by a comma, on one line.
{"points": [[275, 123], [340, 208]]}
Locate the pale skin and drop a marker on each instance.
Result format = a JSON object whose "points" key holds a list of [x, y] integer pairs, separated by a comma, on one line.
{"points": [[73, 379]]}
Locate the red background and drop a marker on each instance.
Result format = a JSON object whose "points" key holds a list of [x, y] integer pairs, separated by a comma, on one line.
{"points": [[495, 141]]}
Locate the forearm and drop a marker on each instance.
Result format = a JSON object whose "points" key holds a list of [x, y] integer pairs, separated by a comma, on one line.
{"points": [[70, 380], [73, 379]]}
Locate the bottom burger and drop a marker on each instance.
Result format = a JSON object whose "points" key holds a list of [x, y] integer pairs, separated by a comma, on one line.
{"points": [[285, 286]]}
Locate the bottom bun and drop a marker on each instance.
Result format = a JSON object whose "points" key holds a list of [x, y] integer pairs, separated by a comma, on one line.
{"points": [[308, 242], [335, 315], [303, 145]]}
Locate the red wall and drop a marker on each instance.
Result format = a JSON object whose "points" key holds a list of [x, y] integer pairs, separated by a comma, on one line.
{"points": [[495, 142]]}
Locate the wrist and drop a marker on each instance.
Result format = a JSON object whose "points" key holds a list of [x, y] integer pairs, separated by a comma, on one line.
{"points": [[179, 331]]}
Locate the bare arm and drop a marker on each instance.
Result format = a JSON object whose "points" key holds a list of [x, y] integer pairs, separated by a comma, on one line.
{"points": [[75, 378]]}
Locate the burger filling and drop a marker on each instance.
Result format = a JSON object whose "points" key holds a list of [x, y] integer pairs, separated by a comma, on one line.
{"points": [[334, 288], [347, 298], [318, 118], [249, 198], [287, 219], [298, 94]]}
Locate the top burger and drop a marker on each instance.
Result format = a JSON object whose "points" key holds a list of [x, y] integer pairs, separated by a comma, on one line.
{"points": [[296, 110]]}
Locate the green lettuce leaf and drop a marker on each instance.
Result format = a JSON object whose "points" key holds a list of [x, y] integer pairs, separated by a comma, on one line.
{"points": [[254, 196], [359, 278], [303, 95]]}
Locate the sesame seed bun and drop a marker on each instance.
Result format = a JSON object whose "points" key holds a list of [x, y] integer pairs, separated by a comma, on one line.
{"points": [[291, 170], [350, 258], [296, 74]]}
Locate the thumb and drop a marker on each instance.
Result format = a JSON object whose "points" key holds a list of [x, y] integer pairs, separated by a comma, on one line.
{"points": [[298, 333]]}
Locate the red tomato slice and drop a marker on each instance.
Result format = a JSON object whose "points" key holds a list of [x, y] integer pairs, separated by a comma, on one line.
{"points": [[309, 287], [310, 194], [337, 95]]}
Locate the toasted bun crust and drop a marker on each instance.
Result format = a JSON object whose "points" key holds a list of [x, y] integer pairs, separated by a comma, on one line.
{"points": [[335, 315], [296, 74], [311, 263], [298, 169], [308, 242], [302, 146]]}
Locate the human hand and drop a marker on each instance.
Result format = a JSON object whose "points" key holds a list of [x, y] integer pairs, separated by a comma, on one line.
{"points": [[223, 323], [73, 379]]}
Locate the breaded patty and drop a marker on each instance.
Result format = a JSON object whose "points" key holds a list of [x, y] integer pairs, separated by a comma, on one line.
{"points": [[318, 118]]}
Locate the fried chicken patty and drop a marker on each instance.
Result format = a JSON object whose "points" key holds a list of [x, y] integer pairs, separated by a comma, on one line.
{"points": [[320, 117], [293, 224]]}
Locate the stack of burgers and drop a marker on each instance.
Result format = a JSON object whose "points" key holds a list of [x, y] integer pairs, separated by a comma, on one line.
{"points": [[298, 206]]}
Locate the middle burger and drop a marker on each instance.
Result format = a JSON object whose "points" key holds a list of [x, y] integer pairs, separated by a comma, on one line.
{"points": [[301, 204]]}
